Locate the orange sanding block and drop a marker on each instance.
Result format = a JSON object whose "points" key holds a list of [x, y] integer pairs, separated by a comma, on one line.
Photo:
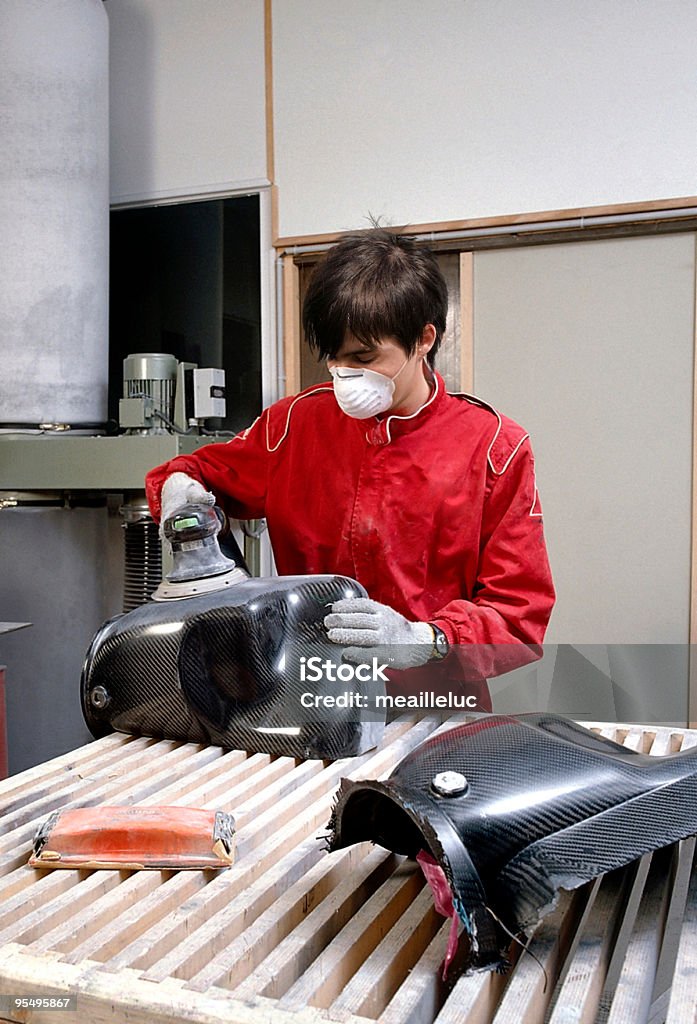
{"points": [[134, 838]]}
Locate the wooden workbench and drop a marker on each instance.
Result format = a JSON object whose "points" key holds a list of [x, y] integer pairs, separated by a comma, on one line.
{"points": [[292, 934]]}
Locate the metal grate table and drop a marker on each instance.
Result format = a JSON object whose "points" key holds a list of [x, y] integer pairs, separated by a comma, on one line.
{"points": [[292, 934]]}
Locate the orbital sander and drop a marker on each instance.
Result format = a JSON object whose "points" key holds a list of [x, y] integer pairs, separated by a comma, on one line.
{"points": [[216, 656], [199, 565], [219, 656]]}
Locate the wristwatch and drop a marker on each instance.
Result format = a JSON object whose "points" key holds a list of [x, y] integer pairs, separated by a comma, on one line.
{"points": [[440, 643]]}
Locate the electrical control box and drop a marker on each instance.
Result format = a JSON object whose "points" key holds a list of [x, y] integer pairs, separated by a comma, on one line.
{"points": [[162, 395], [209, 393]]}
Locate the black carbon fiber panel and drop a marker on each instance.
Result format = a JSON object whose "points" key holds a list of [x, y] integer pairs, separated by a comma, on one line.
{"points": [[225, 668], [547, 804]]}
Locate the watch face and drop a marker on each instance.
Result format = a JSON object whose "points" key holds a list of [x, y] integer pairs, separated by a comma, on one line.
{"points": [[440, 642]]}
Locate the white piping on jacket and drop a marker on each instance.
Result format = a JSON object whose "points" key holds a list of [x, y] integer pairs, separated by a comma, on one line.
{"points": [[290, 409], [532, 511], [510, 457], [479, 401], [458, 394], [485, 405], [411, 414], [242, 436]]}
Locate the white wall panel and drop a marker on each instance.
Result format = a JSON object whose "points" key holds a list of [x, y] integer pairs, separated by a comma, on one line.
{"points": [[590, 347], [187, 96], [444, 110]]}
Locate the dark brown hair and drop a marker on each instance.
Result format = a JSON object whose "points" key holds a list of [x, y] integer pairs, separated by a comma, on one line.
{"points": [[375, 284]]}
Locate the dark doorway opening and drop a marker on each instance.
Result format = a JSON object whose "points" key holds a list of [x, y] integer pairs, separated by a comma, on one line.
{"points": [[185, 279]]}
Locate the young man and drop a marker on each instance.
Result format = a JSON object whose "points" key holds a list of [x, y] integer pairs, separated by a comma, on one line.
{"points": [[427, 499]]}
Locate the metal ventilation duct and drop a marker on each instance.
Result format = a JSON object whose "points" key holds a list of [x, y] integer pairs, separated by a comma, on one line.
{"points": [[54, 212]]}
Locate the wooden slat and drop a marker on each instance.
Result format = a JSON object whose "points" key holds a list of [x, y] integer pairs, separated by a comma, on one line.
{"points": [[683, 998], [530, 986], [204, 781], [629, 899], [291, 326], [44, 886], [29, 925], [422, 993], [16, 788], [579, 994], [688, 740], [104, 998], [473, 999], [265, 913], [331, 959], [77, 782], [511, 220], [124, 909], [290, 933], [383, 971], [126, 777], [294, 954], [633, 996], [278, 829], [665, 741], [467, 322], [637, 739], [107, 783], [679, 881]]}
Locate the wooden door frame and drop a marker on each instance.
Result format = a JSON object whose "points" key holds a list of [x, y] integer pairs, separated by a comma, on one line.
{"points": [[634, 219]]}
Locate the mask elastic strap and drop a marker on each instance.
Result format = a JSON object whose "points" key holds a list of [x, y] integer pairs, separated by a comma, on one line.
{"points": [[393, 379]]}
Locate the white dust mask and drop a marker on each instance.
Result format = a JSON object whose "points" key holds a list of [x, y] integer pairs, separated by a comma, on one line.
{"points": [[362, 393]]}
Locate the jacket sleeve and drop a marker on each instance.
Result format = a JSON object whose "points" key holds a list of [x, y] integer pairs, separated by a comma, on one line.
{"points": [[236, 472], [514, 594]]}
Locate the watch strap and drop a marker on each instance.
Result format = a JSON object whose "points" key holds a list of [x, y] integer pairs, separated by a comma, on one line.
{"points": [[441, 647]]}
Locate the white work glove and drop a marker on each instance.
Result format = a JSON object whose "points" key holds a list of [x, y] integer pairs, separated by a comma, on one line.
{"points": [[359, 623], [180, 489]]}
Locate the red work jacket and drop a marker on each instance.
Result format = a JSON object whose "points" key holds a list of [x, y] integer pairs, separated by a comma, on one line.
{"points": [[436, 514]]}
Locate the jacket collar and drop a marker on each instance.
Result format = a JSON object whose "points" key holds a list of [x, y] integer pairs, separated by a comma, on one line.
{"points": [[383, 431]]}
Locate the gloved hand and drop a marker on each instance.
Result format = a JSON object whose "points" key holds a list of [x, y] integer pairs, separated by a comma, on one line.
{"points": [[362, 623], [180, 489]]}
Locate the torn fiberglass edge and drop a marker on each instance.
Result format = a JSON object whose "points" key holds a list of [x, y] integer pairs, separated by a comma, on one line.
{"points": [[516, 808]]}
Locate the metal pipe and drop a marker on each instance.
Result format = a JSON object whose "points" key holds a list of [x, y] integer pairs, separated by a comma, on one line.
{"points": [[280, 354], [54, 218]]}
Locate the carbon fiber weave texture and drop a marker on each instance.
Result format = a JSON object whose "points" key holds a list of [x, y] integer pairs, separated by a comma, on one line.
{"points": [[225, 668], [548, 804]]}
